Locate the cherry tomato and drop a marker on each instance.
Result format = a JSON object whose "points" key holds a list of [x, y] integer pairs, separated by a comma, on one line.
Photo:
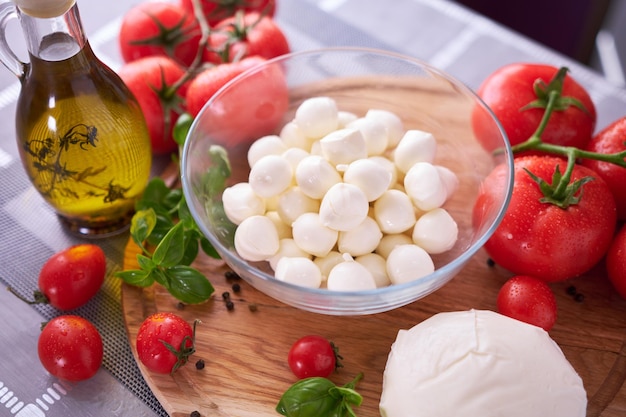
{"points": [[252, 108], [161, 29], [218, 10], [509, 89], [164, 342], [150, 79], [528, 299], [616, 262], [70, 348], [313, 356], [71, 277], [245, 35], [541, 239], [611, 139]]}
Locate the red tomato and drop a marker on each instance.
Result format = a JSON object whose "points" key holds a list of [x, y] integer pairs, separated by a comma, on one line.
{"points": [[70, 348], [312, 356], [509, 89], [159, 28], [616, 262], [245, 35], [249, 109], [164, 342], [218, 10], [541, 239], [612, 139], [71, 277], [150, 79], [528, 299]]}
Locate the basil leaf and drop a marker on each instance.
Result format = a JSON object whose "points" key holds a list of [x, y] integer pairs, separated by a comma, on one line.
{"points": [[141, 226], [136, 277], [171, 249], [188, 285], [307, 398], [145, 263], [155, 192], [191, 248]]}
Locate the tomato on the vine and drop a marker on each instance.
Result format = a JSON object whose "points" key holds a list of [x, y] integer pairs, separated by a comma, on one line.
{"points": [[511, 94], [528, 299], [616, 262], [151, 80], [542, 239], [70, 348], [218, 10], [247, 110], [245, 35], [611, 139], [313, 356], [71, 277], [164, 342], [159, 29]]}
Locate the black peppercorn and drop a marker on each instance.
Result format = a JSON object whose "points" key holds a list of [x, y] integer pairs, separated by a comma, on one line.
{"points": [[200, 364], [194, 414], [230, 305], [236, 287]]}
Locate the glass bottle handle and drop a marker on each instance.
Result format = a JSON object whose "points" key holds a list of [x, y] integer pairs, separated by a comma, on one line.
{"points": [[8, 11]]}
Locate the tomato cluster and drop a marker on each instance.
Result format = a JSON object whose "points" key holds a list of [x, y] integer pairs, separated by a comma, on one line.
{"points": [[176, 58], [568, 196]]}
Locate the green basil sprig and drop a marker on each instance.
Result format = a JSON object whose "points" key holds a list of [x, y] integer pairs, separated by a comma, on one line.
{"points": [[320, 397], [162, 220]]}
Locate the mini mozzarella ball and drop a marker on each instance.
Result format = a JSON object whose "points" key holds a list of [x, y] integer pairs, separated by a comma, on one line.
{"points": [[316, 148], [293, 203], [287, 249], [377, 265], [298, 271], [393, 123], [369, 176], [293, 137], [283, 229], [294, 156], [415, 146], [423, 184], [374, 132], [435, 231], [317, 116], [389, 167], [407, 263], [343, 146], [241, 202], [350, 275], [267, 145], [256, 239], [394, 212], [390, 241], [328, 262], [360, 240], [345, 118], [449, 179], [270, 176], [344, 207], [315, 175], [312, 236]]}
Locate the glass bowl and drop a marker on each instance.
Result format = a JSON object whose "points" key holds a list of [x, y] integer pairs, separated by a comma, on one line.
{"points": [[358, 79]]}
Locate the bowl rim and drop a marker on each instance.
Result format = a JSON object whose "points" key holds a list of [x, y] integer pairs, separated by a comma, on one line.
{"points": [[436, 275]]}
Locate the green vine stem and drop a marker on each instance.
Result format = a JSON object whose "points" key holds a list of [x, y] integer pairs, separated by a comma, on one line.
{"points": [[534, 143]]}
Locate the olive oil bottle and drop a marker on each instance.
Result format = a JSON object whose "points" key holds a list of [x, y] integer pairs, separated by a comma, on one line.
{"points": [[82, 137]]}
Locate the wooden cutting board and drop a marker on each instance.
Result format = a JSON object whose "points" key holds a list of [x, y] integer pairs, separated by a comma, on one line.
{"points": [[245, 351]]}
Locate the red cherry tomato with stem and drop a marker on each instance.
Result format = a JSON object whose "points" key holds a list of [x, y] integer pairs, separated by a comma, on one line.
{"points": [[70, 348], [510, 90], [71, 277], [159, 29], [164, 342], [539, 238], [313, 356], [528, 299]]}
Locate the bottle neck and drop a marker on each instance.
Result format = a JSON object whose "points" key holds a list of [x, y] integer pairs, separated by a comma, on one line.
{"points": [[54, 38]]}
